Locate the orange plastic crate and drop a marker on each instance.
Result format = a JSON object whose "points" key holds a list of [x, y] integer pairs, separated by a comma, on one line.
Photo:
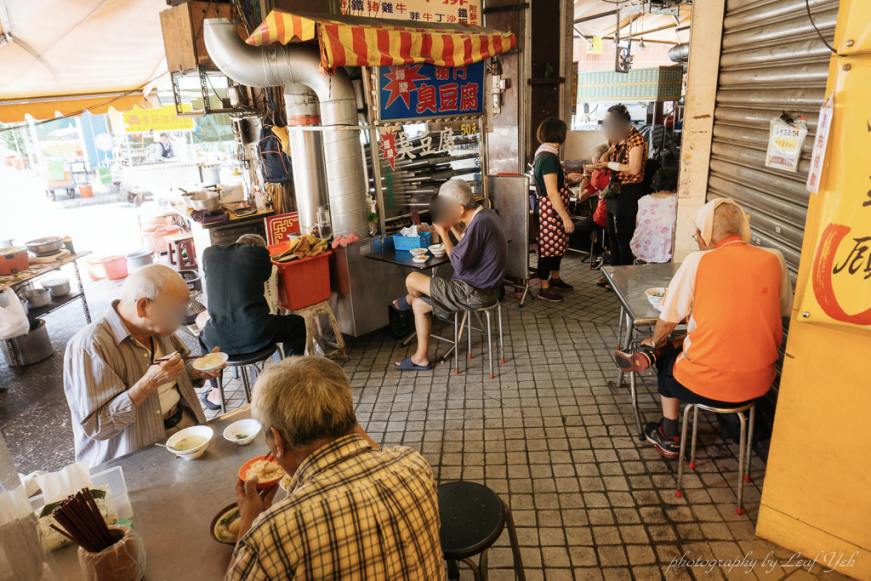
{"points": [[304, 282]]}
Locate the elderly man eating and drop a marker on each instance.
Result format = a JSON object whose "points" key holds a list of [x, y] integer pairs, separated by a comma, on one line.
{"points": [[353, 510], [125, 377], [732, 296], [478, 260]]}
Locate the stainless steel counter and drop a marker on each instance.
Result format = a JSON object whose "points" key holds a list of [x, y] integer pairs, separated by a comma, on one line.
{"points": [[629, 284], [174, 502]]}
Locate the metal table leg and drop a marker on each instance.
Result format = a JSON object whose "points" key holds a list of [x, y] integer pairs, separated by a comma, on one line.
{"points": [[635, 410], [627, 343]]}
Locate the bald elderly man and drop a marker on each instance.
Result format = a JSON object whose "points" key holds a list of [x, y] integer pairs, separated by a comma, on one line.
{"points": [[125, 377]]}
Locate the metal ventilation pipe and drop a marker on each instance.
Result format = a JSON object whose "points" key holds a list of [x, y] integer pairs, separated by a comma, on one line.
{"points": [[289, 65], [679, 53], [306, 148]]}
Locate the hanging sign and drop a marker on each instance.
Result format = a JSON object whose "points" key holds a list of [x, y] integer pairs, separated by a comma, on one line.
{"points": [[425, 91], [838, 286], [388, 147], [822, 140], [785, 142], [447, 11], [396, 145], [593, 45], [140, 120]]}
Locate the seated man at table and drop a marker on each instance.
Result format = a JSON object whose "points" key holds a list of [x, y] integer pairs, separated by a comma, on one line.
{"points": [[479, 267], [353, 510], [125, 376], [240, 320], [732, 296]]}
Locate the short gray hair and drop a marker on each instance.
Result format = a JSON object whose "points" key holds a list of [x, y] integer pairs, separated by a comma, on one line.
{"points": [[460, 191], [148, 282], [306, 399], [728, 219], [251, 240]]}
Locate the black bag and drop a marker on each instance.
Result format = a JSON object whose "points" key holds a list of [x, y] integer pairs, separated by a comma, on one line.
{"points": [[612, 190], [274, 162]]}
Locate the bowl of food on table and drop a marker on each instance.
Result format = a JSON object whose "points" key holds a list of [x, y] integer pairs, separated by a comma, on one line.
{"points": [[265, 468], [437, 250], [656, 295], [210, 362], [190, 443], [242, 432], [225, 525], [418, 251]]}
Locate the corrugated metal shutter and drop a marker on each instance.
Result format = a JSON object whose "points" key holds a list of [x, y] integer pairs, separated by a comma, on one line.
{"points": [[772, 61]]}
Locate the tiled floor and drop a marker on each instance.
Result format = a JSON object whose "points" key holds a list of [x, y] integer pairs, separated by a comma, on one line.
{"points": [[548, 435]]}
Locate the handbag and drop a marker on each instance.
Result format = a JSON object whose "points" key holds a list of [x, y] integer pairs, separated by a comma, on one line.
{"points": [[612, 190]]}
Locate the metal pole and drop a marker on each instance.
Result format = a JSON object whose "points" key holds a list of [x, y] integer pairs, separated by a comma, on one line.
{"points": [[373, 150], [482, 145]]}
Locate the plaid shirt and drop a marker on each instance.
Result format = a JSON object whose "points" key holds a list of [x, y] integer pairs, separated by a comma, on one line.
{"points": [[354, 512]]}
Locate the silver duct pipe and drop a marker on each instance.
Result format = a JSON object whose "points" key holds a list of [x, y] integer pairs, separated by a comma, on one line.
{"points": [[276, 65], [679, 53], [306, 150]]}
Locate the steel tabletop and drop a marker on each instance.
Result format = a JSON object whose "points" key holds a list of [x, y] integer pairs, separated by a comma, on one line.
{"points": [[174, 502], [629, 284], [404, 258]]}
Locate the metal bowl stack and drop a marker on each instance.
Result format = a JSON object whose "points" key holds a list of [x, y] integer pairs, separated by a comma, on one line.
{"points": [[45, 246]]}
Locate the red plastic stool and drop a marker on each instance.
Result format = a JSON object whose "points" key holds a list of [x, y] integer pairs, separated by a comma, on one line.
{"points": [[181, 258]]}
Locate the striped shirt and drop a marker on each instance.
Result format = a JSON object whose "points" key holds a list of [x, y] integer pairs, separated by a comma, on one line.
{"points": [[103, 361], [354, 512]]}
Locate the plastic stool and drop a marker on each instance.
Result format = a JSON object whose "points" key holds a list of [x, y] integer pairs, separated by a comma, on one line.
{"points": [[472, 518], [311, 315], [174, 245], [256, 360], [745, 445], [468, 319]]}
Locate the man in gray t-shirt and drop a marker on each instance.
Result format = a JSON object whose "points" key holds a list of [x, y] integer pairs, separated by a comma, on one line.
{"points": [[479, 267]]}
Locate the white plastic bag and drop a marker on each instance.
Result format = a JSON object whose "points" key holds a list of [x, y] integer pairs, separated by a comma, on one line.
{"points": [[13, 319]]}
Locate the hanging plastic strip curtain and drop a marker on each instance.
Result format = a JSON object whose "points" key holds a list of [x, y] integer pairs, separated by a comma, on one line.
{"points": [[358, 41]]}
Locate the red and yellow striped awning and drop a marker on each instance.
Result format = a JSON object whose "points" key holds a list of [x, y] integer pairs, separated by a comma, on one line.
{"points": [[357, 41]]}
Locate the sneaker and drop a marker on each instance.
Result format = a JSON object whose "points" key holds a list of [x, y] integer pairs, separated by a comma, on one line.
{"points": [[635, 359], [549, 295], [560, 284], [668, 447]]}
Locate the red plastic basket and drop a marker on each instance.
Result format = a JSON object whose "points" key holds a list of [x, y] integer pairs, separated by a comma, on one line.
{"points": [[155, 237], [304, 282]]}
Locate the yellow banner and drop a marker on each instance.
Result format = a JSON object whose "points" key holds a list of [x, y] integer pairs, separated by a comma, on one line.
{"points": [[839, 289], [140, 120]]}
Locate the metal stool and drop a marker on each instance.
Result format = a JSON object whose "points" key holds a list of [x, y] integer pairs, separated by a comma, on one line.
{"points": [[472, 518], [745, 445], [256, 360], [311, 314], [467, 319], [174, 245]]}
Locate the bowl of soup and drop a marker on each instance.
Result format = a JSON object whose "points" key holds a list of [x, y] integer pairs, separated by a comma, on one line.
{"points": [[242, 432], [225, 525], [266, 469], [656, 295], [210, 362], [190, 443]]}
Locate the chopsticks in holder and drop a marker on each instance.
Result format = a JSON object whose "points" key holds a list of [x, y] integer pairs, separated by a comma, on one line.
{"points": [[82, 522]]}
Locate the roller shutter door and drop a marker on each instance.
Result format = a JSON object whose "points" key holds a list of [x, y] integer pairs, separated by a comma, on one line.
{"points": [[772, 61]]}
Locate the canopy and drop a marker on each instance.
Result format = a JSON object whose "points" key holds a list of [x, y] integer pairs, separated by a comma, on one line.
{"points": [[358, 41], [62, 56]]}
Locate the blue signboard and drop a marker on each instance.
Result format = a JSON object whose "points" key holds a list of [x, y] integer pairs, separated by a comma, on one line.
{"points": [[424, 91]]}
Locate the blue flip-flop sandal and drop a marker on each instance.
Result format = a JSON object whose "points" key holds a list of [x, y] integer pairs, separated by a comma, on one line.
{"points": [[408, 365], [401, 304]]}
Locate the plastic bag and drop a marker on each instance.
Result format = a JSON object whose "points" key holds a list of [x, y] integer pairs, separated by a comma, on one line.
{"points": [[123, 561], [13, 319]]}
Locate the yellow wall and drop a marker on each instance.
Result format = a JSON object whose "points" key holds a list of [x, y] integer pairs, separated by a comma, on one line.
{"points": [[817, 493]]}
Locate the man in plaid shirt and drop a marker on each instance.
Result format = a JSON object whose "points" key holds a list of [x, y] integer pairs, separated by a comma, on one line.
{"points": [[354, 510]]}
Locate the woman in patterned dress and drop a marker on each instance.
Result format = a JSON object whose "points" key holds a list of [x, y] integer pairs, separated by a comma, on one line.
{"points": [[555, 223]]}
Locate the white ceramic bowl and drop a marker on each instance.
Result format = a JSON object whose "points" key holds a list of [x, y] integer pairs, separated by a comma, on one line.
{"points": [[437, 250], [198, 362], [204, 432], [655, 300], [417, 251], [420, 259], [248, 428]]}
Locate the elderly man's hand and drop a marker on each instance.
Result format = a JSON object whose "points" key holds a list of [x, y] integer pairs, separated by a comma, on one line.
{"points": [[196, 374], [250, 503], [166, 371]]}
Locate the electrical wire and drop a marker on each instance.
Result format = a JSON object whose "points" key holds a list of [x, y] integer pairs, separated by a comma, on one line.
{"points": [[807, 6]]}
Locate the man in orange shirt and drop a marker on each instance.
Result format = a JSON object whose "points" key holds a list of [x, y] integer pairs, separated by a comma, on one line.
{"points": [[732, 296]]}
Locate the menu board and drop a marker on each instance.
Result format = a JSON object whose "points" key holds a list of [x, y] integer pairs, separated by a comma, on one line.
{"points": [[425, 91], [447, 11]]}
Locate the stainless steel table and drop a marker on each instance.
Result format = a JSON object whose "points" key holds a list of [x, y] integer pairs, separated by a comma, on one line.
{"points": [[629, 284], [174, 501]]}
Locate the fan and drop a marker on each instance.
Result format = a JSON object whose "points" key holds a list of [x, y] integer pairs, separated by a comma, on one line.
{"points": [[623, 59]]}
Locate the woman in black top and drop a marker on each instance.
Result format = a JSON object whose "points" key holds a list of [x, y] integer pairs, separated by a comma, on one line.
{"points": [[555, 223], [626, 160]]}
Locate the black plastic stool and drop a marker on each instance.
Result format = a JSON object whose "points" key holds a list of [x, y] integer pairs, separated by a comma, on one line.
{"points": [[253, 359], [472, 518]]}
